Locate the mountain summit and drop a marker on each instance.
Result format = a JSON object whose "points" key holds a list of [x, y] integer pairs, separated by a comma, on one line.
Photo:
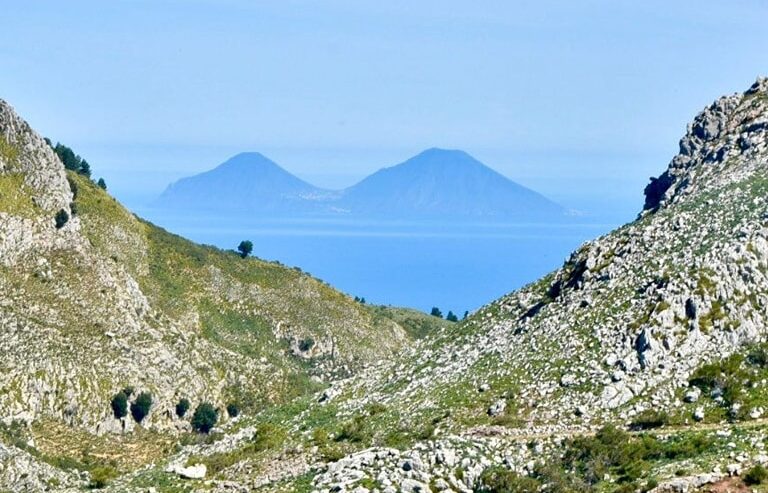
{"points": [[448, 183], [247, 182], [436, 183]]}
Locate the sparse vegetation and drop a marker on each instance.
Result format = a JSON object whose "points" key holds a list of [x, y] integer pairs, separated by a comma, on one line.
{"points": [[756, 475], [101, 476], [498, 479]]}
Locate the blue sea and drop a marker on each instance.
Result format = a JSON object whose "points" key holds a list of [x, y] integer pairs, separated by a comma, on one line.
{"points": [[453, 266]]}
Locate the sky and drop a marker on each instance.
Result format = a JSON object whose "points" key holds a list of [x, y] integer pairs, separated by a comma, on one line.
{"points": [[582, 101]]}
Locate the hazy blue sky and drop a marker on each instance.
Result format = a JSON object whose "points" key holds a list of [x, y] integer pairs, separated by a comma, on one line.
{"points": [[580, 100]]}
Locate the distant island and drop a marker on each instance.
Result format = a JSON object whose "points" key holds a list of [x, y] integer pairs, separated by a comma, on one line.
{"points": [[434, 184]]}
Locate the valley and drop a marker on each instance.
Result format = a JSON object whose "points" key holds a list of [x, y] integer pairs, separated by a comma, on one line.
{"points": [[639, 365]]}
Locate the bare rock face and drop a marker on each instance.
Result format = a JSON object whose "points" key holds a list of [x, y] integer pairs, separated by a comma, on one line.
{"points": [[29, 155], [726, 140]]}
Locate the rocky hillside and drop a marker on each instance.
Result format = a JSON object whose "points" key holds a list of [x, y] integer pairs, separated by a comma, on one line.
{"points": [[94, 300], [658, 326], [640, 365]]}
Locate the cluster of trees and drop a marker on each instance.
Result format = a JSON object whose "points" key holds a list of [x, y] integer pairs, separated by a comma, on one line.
{"points": [[203, 419], [451, 317], [360, 300], [74, 162], [139, 407]]}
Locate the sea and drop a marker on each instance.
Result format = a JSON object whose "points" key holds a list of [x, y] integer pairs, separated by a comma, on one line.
{"points": [[453, 265]]}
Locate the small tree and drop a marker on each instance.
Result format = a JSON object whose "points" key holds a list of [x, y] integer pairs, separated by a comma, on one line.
{"points": [[466, 314], [120, 405], [61, 218], [140, 407], [102, 184], [245, 248], [451, 317], [233, 410], [205, 417], [85, 168], [182, 407], [436, 312]]}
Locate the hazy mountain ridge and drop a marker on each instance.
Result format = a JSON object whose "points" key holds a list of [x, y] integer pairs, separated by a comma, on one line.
{"points": [[436, 183], [245, 183]]}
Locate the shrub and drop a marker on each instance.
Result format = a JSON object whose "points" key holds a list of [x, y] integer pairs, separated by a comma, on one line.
{"points": [[269, 436], [756, 475], [499, 479], [73, 187], [436, 312], [306, 344], [205, 417], [101, 476], [102, 184], [61, 218], [233, 410], [649, 419], [120, 405], [353, 430], [140, 407], [451, 317], [182, 407]]}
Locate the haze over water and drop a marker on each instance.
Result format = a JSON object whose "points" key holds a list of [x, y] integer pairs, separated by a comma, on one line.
{"points": [[455, 267]]}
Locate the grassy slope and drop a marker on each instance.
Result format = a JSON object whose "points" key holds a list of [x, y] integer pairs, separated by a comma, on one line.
{"points": [[245, 313]]}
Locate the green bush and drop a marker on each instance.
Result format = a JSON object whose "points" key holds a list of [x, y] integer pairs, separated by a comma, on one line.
{"points": [[141, 406], [649, 419], [499, 479], [120, 405], [306, 344], [62, 217], [756, 475], [205, 417], [233, 410], [269, 436], [101, 476], [354, 430], [182, 407]]}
